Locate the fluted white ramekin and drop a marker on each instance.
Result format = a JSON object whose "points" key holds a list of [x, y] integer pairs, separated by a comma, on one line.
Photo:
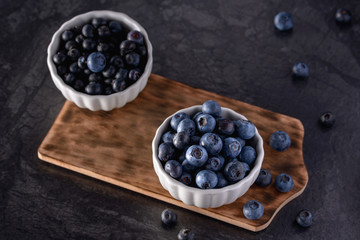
{"points": [[210, 197], [99, 102]]}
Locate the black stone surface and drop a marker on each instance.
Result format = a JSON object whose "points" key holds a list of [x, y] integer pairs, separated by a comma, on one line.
{"points": [[228, 47]]}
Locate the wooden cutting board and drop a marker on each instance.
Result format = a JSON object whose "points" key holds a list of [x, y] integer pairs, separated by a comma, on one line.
{"points": [[115, 147]]}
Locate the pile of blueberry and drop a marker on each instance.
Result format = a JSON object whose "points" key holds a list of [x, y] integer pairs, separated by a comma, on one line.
{"points": [[101, 57], [207, 150]]}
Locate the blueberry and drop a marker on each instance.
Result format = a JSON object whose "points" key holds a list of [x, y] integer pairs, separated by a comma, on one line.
{"points": [[87, 71], [69, 78], [187, 125], [168, 217], [181, 140], [74, 68], [166, 152], [187, 167], [117, 61], [231, 147], [284, 182], [132, 59], [196, 115], [135, 36], [222, 182], [115, 27], [122, 74], [206, 179], [280, 141], [264, 179], [73, 53], [103, 47], [212, 143], [234, 171], [88, 31], [186, 178], [225, 126], [59, 58], [195, 140], [248, 155], [79, 85], [79, 39], [168, 136], [283, 21], [245, 129], [196, 155], [300, 70], [134, 75], [246, 167], [89, 44], [215, 163], [94, 88], [327, 119], [126, 47], [173, 168], [95, 77], [241, 141], [81, 62], [104, 32], [142, 50], [343, 16], [97, 22], [182, 155], [109, 72], [70, 44], [108, 90], [211, 107], [118, 85], [304, 218], [205, 123], [61, 69], [186, 234], [253, 210], [67, 35], [96, 62], [177, 118]]}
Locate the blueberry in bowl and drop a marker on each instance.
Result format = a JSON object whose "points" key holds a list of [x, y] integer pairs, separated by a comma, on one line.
{"points": [[213, 172], [100, 60]]}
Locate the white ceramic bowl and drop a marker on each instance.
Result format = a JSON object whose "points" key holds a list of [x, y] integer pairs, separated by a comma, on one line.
{"points": [[99, 102], [211, 197]]}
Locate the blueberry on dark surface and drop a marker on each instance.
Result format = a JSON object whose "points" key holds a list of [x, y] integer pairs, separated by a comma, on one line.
{"points": [[132, 59], [89, 44], [231, 147], [126, 47], [205, 123], [234, 171], [187, 125], [115, 27], [212, 143], [173, 168], [225, 126], [283, 21], [300, 70], [206, 179], [327, 119], [59, 58], [135, 36], [186, 234], [67, 35], [103, 47], [166, 152], [248, 155], [117, 61], [280, 141], [186, 178], [96, 62], [61, 69], [109, 72], [118, 85], [211, 107], [81, 62], [94, 77], [304, 218], [97, 22], [284, 182], [104, 32], [74, 68], [88, 31], [69, 78], [264, 179], [215, 163], [122, 74], [79, 39], [134, 75], [196, 155], [245, 129], [168, 217], [181, 140], [79, 85], [70, 44], [222, 182], [94, 88], [73, 53], [343, 16], [253, 210], [177, 118]]}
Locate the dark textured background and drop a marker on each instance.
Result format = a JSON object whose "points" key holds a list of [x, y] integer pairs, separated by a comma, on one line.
{"points": [[227, 47]]}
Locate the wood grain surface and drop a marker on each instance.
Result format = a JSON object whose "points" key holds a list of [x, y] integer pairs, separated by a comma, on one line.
{"points": [[115, 147]]}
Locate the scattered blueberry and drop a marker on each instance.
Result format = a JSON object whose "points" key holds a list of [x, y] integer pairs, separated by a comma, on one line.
{"points": [[166, 152], [205, 123], [327, 119], [234, 171], [280, 141], [283, 21], [231, 147], [284, 182], [253, 210], [304, 218], [245, 129], [211, 107], [96, 62], [168, 217], [300, 70], [187, 125], [181, 140], [173, 168], [225, 126], [343, 16], [177, 118], [186, 234], [206, 179], [248, 155], [135, 36], [196, 155], [264, 179]]}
